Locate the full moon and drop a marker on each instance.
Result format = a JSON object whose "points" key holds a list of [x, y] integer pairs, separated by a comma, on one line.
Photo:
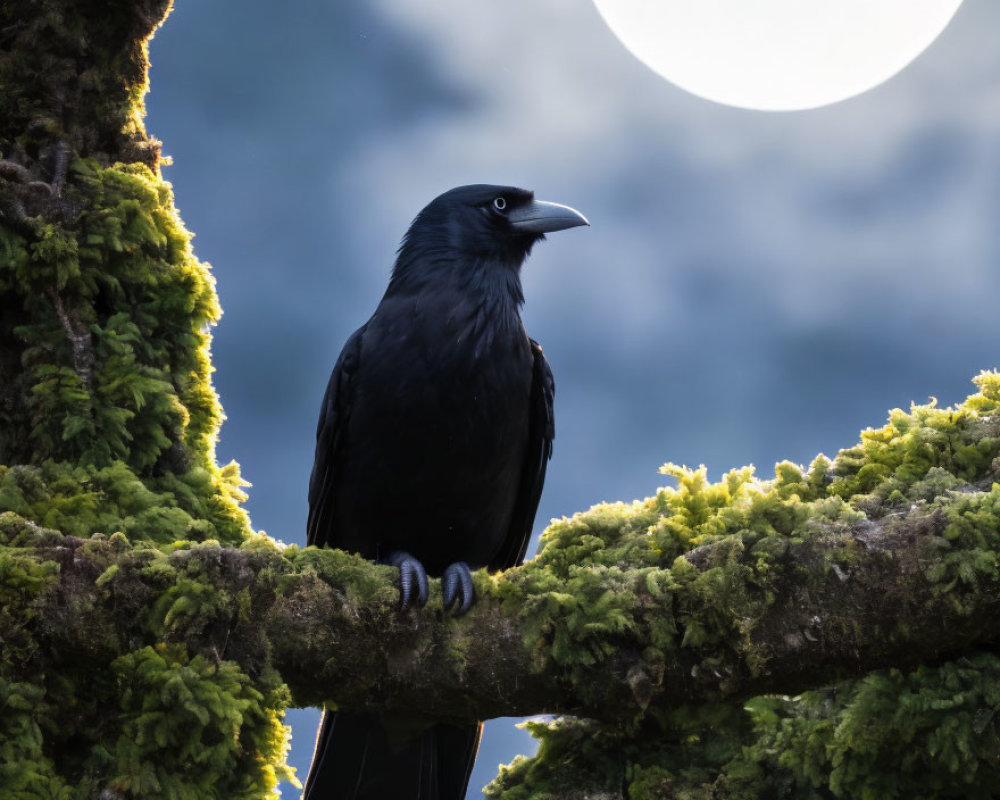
{"points": [[777, 55]]}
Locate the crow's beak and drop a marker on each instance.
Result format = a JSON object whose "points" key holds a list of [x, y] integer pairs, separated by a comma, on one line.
{"points": [[539, 216]]}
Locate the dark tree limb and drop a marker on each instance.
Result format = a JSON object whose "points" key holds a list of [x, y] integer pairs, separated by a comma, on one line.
{"points": [[846, 602]]}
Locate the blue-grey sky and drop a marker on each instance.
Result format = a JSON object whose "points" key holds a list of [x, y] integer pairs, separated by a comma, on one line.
{"points": [[755, 286]]}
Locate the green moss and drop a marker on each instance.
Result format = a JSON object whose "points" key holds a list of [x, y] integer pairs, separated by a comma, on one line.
{"points": [[619, 568], [902, 460], [924, 734], [116, 353], [82, 500], [160, 720], [349, 571], [25, 769], [927, 733], [679, 757], [114, 389], [196, 729], [23, 583], [108, 423], [72, 57], [932, 732]]}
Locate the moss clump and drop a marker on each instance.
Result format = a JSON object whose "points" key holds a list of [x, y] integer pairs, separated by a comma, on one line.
{"points": [[111, 399], [159, 724], [76, 71], [933, 732], [907, 459], [121, 298], [114, 345], [678, 756], [187, 715], [25, 769], [928, 732], [195, 729], [597, 568], [197, 505]]}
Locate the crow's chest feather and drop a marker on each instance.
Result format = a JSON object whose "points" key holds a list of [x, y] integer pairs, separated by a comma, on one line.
{"points": [[461, 368]]}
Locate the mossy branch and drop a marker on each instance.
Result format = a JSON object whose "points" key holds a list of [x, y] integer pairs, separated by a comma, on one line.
{"points": [[732, 618]]}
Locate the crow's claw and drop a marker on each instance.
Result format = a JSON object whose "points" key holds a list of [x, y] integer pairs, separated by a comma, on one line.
{"points": [[412, 579], [456, 585]]}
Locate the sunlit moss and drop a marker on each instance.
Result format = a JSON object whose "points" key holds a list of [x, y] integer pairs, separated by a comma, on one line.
{"points": [[108, 423], [195, 729], [933, 732]]}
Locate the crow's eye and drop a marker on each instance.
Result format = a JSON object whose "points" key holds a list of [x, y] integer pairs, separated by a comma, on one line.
{"points": [[500, 203]]}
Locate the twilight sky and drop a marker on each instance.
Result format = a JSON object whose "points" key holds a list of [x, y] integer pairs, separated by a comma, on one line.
{"points": [[755, 285]]}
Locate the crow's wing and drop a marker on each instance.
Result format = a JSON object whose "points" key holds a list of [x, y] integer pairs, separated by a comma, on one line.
{"points": [[333, 415], [541, 432]]}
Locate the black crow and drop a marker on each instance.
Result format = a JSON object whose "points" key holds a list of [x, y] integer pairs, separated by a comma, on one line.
{"points": [[431, 450]]}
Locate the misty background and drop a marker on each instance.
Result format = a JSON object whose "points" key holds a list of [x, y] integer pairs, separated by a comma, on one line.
{"points": [[755, 286]]}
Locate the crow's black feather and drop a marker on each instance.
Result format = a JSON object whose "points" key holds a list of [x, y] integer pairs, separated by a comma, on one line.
{"points": [[431, 448]]}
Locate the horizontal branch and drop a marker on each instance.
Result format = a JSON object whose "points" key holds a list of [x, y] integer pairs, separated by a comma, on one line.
{"points": [[730, 619]]}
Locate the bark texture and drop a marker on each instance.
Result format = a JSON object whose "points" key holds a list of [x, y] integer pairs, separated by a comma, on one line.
{"points": [[847, 603]]}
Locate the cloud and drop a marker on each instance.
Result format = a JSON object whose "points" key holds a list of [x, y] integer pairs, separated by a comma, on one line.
{"points": [[825, 206]]}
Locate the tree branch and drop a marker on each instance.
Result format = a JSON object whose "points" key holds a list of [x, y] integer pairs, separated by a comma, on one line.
{"points": [[821, 604]]}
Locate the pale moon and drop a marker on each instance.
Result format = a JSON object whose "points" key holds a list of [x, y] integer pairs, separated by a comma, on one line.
{"points": [[777, 55]]}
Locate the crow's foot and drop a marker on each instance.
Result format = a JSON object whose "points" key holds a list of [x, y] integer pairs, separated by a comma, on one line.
{"points": [[456, 585], [412, 579]]}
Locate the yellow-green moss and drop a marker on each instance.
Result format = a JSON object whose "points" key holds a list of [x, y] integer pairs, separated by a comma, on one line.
{"points": [[115, 354], [931, 732], [193, 729], [108, 423]]}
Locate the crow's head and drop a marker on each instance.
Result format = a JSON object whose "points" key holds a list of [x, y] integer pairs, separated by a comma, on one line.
{"points": [[482, 223]]}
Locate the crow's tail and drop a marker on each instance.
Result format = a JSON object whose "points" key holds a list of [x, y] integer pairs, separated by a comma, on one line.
{"points": [[367, 757]]}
